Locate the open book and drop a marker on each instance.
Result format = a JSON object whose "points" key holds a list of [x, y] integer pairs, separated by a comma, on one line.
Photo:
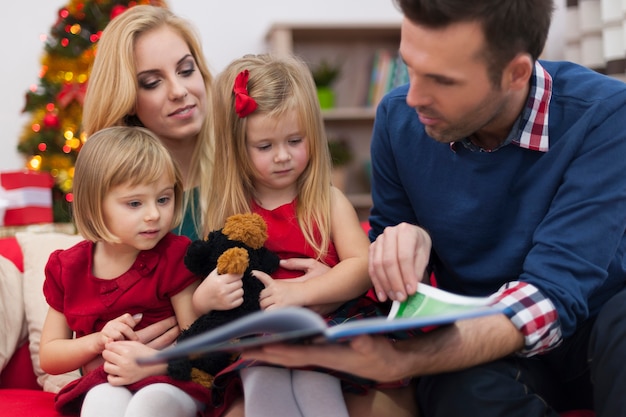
{"points": [[429, 306]]}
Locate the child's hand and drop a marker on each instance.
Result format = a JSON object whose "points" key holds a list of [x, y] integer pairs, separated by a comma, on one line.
{"points": [[218, 292], [120, 328], [278, 293], [120, 363]]}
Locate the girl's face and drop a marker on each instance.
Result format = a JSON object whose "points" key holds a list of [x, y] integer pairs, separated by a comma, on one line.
{"points": [[171, 99], [140, 215], [278, 152]]}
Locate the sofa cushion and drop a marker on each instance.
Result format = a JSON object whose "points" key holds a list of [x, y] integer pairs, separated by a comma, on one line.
{"points": [[12, 323], [37, 248], [25, 402], [10, 249], [19, 371]]}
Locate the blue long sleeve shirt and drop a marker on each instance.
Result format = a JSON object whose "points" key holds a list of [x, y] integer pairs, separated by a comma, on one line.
{"points": [[553, 219]]}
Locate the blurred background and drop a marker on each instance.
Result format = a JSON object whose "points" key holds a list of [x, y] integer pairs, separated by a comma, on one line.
{"points": [[350, 45], [228, 29]]}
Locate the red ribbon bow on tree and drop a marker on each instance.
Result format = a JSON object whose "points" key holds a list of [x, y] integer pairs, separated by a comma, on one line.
{"points": [[244, 104], [71, 92]]}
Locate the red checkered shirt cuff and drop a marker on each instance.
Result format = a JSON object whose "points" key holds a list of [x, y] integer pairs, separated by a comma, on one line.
{"points": [[533, 314]]}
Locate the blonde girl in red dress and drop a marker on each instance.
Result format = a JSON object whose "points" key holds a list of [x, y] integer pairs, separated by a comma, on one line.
{"points": [[127, 274], [273, 159]]}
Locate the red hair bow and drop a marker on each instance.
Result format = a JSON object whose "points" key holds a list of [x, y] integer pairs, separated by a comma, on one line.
{"points": [[244, 104]]}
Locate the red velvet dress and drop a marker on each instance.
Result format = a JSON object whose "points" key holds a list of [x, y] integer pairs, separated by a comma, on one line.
{"points": [[89, 303]]}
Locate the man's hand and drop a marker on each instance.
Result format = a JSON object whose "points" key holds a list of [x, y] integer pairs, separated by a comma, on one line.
{"points": [[465, 344], [373, 357], [398, 260]]}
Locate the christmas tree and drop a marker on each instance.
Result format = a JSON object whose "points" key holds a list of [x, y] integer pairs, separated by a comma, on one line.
{"points": [[53, 137]]}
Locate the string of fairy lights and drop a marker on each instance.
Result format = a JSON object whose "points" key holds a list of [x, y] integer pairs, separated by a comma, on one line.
{"points": [[52, 138]]}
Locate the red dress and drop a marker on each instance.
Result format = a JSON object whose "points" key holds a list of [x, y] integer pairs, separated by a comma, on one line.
{"points": [[285, 238], [88, 303]]}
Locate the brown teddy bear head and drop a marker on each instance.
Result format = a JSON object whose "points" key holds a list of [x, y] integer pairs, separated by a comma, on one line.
{"points": [[248, 228]]}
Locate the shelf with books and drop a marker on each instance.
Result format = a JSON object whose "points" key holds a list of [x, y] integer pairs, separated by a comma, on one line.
{"points": [[353, 47], [388, 72]]}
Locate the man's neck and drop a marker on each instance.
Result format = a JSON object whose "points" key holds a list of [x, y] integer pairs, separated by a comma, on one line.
{"points": [[496, 133]]}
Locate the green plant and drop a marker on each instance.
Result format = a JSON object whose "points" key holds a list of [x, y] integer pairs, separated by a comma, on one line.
{"points": [[324, 74], [340, 152]]}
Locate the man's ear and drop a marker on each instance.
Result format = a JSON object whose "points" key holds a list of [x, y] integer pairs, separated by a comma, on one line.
{"points": [[518, 72]]}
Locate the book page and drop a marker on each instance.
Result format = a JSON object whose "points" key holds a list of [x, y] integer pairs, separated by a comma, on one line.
{"points": [[430, 301], [288, 324]]}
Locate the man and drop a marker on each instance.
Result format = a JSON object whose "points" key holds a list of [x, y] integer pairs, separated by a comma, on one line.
{"points": [[500, 174]]}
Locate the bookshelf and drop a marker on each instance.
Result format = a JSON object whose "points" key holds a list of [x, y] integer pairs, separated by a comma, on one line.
{"points": [[353, 46]]}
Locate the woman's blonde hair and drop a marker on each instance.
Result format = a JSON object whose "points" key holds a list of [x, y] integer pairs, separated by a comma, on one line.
{"points": [[113, 87], [278, 85], [118, 155]]}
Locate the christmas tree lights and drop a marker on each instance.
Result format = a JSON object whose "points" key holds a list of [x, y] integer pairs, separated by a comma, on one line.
{"points": [[53, 137]]}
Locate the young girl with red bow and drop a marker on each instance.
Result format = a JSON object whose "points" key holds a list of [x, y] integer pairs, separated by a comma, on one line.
{"points": [[274, 161]]}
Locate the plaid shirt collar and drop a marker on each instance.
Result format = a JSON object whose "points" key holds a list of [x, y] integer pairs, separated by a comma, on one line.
{"points": [[530, 130], [533, 133]]}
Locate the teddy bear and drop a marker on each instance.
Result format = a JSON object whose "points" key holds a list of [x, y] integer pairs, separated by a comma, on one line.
{"points": [[237, 248]]}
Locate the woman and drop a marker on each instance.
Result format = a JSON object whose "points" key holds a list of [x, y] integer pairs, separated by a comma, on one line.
{"points": [[150, 71]]}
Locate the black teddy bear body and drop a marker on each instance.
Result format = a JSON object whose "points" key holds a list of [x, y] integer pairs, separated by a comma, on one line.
{"points": [[236, 248]]}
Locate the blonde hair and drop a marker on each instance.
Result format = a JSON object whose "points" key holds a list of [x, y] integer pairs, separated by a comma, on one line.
{"points": [[277, 85], [112, 91], [115, 156]]}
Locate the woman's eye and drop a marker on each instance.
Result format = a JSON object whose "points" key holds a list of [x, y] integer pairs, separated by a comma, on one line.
{"points": [[148, 85], [187, 72]]}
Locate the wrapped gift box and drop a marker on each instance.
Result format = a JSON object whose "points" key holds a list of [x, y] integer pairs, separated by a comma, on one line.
{"points": [[25, 197]]}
